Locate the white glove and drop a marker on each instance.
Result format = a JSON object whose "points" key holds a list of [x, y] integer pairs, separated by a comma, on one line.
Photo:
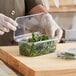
{"points": [[51, 27], [6, 24], [43, 23]]}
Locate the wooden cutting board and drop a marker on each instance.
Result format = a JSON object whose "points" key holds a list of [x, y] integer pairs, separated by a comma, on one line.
{"points": [[6, 71], [46, 65]]}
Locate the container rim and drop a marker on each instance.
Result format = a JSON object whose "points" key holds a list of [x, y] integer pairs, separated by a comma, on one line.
{"points": [[38, 41]]}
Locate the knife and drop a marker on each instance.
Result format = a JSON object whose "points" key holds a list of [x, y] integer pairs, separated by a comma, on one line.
{"points": [[56, 3], [74, 1], [46, 4]]}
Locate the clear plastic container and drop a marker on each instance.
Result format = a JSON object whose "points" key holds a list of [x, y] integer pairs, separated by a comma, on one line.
{"points": [[37, 48], [24, 31], [28, 24]]}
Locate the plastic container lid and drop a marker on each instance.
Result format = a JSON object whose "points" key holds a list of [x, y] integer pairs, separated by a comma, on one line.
{"points": [[26, 25]]}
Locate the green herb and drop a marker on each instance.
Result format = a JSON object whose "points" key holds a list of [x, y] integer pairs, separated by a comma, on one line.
{"points": [[36, 38], [68, 56], [29, 48]]}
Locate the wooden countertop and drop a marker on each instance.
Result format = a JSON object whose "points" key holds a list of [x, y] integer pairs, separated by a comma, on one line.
{"points": [[46, 65]]}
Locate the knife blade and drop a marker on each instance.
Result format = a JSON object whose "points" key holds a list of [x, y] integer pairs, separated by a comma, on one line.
{"points": [[56, 3], [46, 4], [74, 1]]}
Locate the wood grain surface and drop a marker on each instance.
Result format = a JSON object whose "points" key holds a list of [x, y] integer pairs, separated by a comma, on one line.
{"points": [[45, 65], [5, 70]]}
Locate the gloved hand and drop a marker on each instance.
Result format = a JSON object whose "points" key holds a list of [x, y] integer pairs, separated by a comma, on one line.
{"points": [[6, 24], [50, 26], [45, 24]]}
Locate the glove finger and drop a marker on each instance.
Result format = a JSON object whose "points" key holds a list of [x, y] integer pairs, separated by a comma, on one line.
{"points": [[53, 33], [1, 32], [4, 29], [43, 22], [50, 30], [47, 29], [11, 21], [9, 26]]}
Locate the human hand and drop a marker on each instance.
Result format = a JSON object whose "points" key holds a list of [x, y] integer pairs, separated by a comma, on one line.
{"points": [[45, 24], [50, 26], [6, 24]]}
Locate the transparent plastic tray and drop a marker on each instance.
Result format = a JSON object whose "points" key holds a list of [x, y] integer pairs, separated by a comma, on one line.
{"points": [[37, 48], [27, 24]]}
